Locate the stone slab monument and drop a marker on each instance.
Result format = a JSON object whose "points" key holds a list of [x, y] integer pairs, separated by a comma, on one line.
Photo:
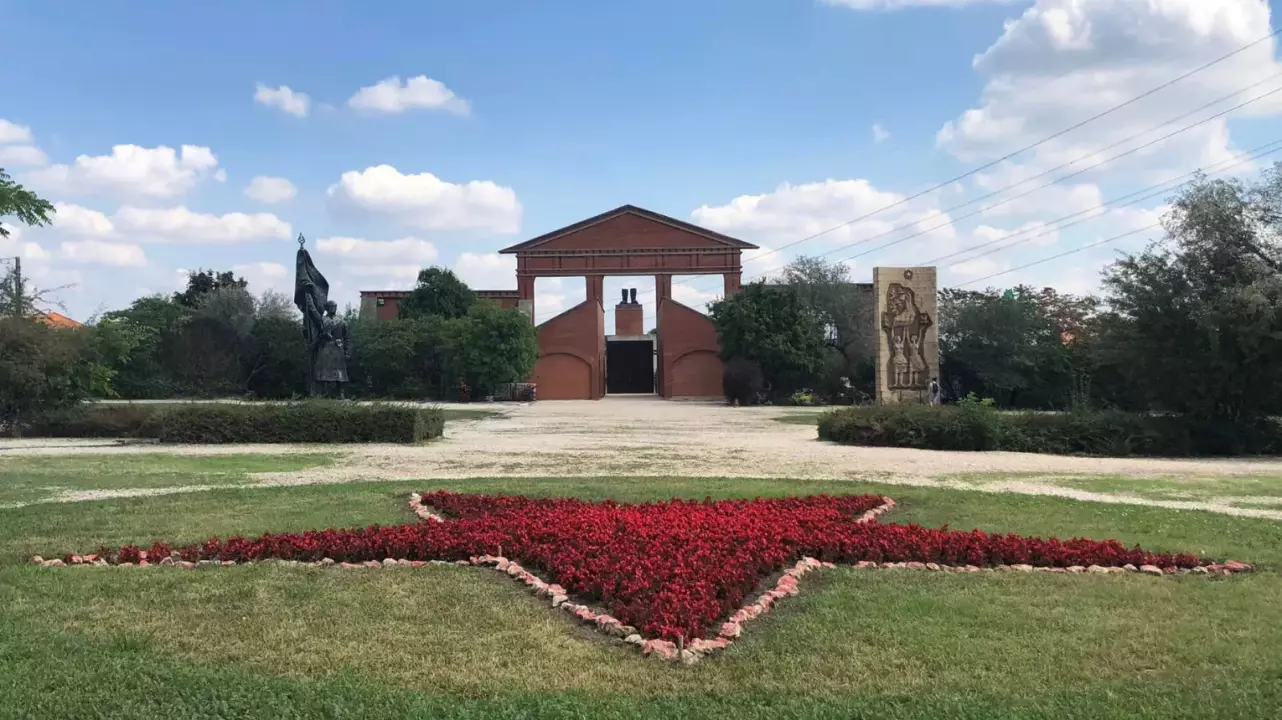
{"points": [[907, 333]]}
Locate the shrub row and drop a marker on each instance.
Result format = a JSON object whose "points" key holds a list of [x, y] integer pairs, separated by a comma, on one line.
{"points": [[312, 421], [671, 569], [972, 426]]}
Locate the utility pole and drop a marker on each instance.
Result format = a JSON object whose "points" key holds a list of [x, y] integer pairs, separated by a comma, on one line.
{"points": [[19, 292]]}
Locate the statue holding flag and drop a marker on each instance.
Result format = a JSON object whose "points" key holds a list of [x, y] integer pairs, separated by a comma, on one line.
{"points": [[328, 344]]}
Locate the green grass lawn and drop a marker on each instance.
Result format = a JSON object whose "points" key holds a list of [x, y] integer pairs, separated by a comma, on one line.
{"points": [[35, 478], [452, 414], [801, 417], [274, 641]]}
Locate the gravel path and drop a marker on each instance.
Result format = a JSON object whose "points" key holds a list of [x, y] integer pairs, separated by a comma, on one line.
{"points": [[649, 437]]}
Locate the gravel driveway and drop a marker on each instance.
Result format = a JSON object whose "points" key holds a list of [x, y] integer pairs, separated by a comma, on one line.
{"points": [[644, 436]]}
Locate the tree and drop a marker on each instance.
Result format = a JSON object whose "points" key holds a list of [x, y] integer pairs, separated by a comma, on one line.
{"points": [[1018, 346], [202, 282], [1195, 320], [492, 346], [149, 371], [439, 293], [276, 305], [771, 326], [44, 369], [847, 313], [17, 201]]}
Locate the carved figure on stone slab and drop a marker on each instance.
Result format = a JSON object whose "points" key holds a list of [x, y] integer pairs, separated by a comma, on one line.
{"points": [[905, 327]]}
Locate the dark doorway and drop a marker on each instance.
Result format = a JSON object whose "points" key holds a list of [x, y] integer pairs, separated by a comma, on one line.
{"points": [[629, 366]]}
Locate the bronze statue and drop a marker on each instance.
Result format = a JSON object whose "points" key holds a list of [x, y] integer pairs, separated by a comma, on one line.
{"points": [[329, 346]]}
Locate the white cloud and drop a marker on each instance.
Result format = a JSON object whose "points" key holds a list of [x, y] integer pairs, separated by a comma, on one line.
{"points": [[486, 271], [179, 225], [263, 276], [879, 133], [1064, 61], [176, 225], [130, 170], [97, 252], [794, 212], [694, 297], [900, 4], [408, 250], [220, 175], [77, 221], [1033, 233], [394, 263], [283, 98], [976, 268], [14, 155], [14, 246], [426, 202], [11, 132], [270, 190], [421, 91]]}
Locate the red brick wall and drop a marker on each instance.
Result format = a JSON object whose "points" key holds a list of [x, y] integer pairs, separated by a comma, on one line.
{"points": [[629, 320], [571, 363], [689, 362]]}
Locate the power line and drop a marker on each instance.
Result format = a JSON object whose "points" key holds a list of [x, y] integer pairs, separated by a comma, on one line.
{"points": [[1147, 193], [1038, 144], [1043, 186], [1056, 181], [1105, 241]]}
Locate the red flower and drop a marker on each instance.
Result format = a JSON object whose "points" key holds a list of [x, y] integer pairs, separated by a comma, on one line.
{"points": [[672, 569]]}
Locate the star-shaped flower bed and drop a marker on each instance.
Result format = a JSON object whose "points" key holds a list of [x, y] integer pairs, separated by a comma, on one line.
{"points": [[678, 578]]}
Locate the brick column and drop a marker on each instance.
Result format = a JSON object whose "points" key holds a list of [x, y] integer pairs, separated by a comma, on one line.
{"points": [[662, 288], [732, 282], [525, 295], [596, 289]]}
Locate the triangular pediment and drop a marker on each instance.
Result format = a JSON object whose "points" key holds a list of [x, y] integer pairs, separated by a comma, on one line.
{"points": [[630, 228]]}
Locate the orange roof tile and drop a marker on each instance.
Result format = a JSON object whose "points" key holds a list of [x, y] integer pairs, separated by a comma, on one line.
{"points": [[53, 319]]}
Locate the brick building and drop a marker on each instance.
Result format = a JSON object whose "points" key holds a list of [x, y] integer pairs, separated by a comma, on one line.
{"points": [[576, 358]]}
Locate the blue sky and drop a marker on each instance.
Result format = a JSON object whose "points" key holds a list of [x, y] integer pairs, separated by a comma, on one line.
{"points": [[753, 117]]}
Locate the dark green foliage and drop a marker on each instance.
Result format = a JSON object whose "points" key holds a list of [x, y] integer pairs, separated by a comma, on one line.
{"points": [[971, 425], [203, 282], [1021, 347], [45, 369], [742, 382], [312, 421], [1195, 324], [769, 325], [397, 359], [92, 421], [439, 293], [846, 310], [231, 344], [491, 346], [435, 357], [274, 358], [19, 202]]}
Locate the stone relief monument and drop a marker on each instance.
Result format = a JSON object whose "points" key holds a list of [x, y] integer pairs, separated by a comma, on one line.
{"points": [[908, 335], [329, 346]]}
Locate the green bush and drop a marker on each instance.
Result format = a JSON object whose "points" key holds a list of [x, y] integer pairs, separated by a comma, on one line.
{"points": [[312, 421], [974, 425], [93, 421]]}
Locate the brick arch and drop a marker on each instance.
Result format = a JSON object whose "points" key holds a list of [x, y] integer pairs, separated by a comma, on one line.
{"points": [[562, 376], [626, 241], [697, 373]]}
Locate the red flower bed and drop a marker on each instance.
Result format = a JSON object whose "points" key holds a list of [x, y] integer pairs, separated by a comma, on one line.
{"points": [[671, 569]]}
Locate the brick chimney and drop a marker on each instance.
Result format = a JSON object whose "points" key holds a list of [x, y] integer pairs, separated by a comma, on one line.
{"points": [[628, 316]]}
